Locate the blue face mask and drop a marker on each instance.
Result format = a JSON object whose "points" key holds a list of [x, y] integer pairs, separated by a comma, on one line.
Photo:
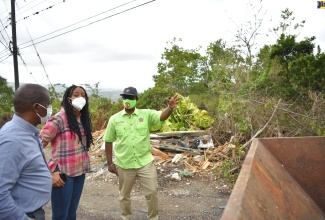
{"points": [[129, 104]]}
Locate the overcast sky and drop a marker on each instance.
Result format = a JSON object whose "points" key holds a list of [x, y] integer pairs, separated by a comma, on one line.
{"points": [[120, 49]]}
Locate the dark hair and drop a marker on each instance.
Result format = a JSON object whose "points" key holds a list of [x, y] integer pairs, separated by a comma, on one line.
{"points": [[29, 94], [72, 120]]}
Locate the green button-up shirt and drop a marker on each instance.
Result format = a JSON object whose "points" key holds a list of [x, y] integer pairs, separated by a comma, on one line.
{"points": [[132, 135]]}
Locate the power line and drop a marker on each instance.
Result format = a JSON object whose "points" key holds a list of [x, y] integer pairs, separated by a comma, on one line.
{"points": [[8, 15], [33, 43], [35, 13], [7, 48], [38, 57], [80, 21], [38, 12], [32, 6], [5, 32], [82, 25], [21, 58], [23, 6], [4, 58]]}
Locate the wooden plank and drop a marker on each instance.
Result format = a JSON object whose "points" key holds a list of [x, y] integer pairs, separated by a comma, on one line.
{"points": [[205, 165], [158, 152]]}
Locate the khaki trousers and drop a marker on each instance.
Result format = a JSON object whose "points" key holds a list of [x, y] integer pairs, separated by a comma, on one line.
{"points": [[147, 177]]}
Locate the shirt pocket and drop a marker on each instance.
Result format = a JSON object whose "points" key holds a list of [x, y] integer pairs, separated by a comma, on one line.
{"points": [[120, 130], [142, 129]]}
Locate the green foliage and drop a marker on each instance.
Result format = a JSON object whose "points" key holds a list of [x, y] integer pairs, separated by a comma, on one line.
{"points": [[6, 104], [101, 109], [186, 173], [6, 97], [224, 67], [230, 168], [286, 25], [103, 158], [292, 68], [94, 89], [187, 117], [155, 98], [182, 70]]}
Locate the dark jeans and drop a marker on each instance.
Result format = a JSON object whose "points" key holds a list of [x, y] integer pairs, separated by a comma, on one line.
{"points": [[39, 214], [65, 199]]}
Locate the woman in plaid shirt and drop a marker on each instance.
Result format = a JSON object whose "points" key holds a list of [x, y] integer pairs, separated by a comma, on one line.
{"points": [[69, 132]]}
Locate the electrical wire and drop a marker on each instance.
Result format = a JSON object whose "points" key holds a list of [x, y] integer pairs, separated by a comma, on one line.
{"points": [[80, 21], [1, 60], [81, 26], [7, 17], [40, 59], [1, 13], [21, 12], [5, 32], [22, 60], [5, 53], [38, 12]]}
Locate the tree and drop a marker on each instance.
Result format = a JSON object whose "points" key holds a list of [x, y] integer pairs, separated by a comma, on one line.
{"points": [[6, 104], [181, 70], [247, 33], [292, 68], [155, 98], [224, 67]]}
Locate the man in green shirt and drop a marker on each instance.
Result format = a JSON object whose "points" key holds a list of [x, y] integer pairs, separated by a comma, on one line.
{"points": [[130, 129]]}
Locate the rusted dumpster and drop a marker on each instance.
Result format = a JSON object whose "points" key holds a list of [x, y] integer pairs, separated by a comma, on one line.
{"points": [[281, 178]]}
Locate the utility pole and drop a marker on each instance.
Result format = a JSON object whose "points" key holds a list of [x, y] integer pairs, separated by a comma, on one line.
{"points": [[14, 43]]}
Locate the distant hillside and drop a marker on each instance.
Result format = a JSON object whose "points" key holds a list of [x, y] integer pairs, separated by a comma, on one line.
{"points": [[112, 94]]}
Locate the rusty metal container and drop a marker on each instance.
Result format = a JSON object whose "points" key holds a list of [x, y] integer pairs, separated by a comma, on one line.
{"points": [[281, 178]]}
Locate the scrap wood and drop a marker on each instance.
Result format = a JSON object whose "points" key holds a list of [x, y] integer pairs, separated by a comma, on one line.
{"points": [[214, 157], [228, 147], [177, 158], [233, 169], [158, 152], [190, 166], [205, 164], [171, 154], [98, 140], [215, 139], [160, 161], [222, 155], [177, 149], [187, 149]]}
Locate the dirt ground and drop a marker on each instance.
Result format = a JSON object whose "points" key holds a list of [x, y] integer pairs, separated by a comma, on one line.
{"points": [[193, 197]]}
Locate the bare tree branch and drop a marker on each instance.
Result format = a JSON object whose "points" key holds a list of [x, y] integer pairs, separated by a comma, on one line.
{"points": [[262, 129]]}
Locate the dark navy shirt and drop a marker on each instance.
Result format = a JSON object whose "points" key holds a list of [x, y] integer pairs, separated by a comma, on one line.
{"points": [[25, 180]]}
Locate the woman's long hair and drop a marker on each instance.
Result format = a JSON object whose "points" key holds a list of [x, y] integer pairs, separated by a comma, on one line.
{"points": [[72, 120]]}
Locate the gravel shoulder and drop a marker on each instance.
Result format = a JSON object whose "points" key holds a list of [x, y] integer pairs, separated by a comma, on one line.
{"points": [[192, 197]]}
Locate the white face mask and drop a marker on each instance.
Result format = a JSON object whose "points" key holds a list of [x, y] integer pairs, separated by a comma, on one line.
{"points": [[47, 116], [78, 103]]}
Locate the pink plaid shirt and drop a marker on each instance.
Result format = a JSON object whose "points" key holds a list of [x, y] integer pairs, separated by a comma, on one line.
{"points": [[67, 151]]}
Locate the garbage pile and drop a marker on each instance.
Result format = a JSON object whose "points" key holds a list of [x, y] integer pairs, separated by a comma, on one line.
{"points": [[198, 151]]}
